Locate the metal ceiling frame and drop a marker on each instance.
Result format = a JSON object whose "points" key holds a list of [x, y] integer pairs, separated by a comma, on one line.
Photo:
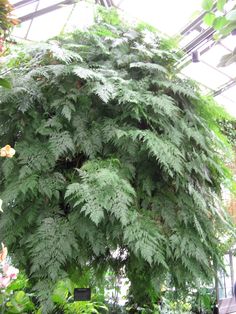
{"points": [[105, 3], [224, 87], [23, 3], [43, 11], [203, 42], [32, 15]]}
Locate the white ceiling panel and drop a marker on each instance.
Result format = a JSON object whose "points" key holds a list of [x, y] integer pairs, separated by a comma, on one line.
{"points": [[42, 29], [205, 75], [169, 16], [213, 57]]}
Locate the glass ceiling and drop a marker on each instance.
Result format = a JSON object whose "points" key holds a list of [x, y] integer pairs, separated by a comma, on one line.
{"points": [[42, 19]]}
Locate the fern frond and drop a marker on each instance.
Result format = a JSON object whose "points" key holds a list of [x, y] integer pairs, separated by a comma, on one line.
{"points": [[61, 143], [176, 88], [57, 52], [86, 73], [152, 67], [101, 191]]}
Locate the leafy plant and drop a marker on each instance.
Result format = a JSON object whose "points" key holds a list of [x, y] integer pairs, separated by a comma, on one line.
{"points": [[215, 16], [16, 298], [113, 155], [6, 24], [223, 23], [6, 20], [62, 297], [204, 300], [228, 127]]}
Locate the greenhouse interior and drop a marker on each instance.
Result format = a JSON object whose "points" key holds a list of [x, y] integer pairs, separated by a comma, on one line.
{"points": [[118, 156]]}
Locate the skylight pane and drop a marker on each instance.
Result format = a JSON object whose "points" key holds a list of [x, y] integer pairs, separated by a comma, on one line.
{"points": [[42, 30], [188, 38], [168, 16], [229, 42], [21, 29], [231, 93], [82, 16], [213, 57], [205, 75], [45, 3], [24, 10], [14, 1]]}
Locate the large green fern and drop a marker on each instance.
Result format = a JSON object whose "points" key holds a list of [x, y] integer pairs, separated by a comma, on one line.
{"points": [[112, 154]]}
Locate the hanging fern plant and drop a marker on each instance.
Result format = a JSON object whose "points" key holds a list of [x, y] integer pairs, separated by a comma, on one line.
{"points": [[112, 154]]}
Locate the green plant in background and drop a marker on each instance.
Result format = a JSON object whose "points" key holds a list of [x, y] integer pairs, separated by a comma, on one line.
{"points": [[113, 155], [215, 16], [204, 300], [228, 127], [62, 298], [17, 298], [6, 20], [6, 24]]}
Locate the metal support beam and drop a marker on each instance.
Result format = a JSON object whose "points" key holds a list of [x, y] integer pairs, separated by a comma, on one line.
{"points": [[206, 35], [225, 87], [105, 3], [46, 10], [23, 3], [193, 25], [109, 2]]}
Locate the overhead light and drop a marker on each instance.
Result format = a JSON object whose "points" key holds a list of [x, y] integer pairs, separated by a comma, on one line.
{"points": [[195, 56]]}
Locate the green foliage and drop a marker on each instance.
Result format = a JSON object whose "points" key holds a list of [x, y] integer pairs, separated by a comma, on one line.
{"points": [[207, 4], [113, 154], [16, 298], [5, 83], [6, 24], [62, 297], [6, 21], [228, 128], [204, 299], [213, 114], [224, 24], [221, 23], [220, 4]]}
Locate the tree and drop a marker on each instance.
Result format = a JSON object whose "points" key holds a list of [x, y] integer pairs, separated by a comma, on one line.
{"points": [[113, 155]]}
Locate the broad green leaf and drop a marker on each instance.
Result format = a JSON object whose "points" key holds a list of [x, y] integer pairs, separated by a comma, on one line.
{"points": [[18, 284], [20, 296], [207, 4], [60, 293], [58, 298], [231, 16], [209, 18], [228, 28], [221, 4], [5, 83], [216, 36], [219, 23]]}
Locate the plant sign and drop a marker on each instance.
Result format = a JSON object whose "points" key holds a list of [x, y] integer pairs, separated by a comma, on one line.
{"points": [[82, 294]]}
